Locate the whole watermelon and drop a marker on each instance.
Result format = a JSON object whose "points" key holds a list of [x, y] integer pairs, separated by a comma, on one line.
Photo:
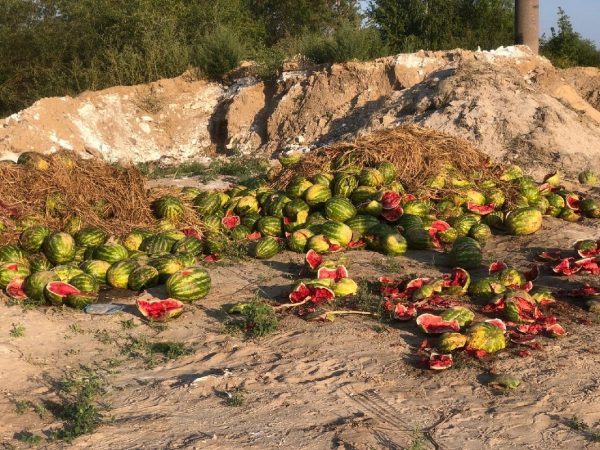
{"points": [[118, 274], [96, 268], [157, 244], [13, 254], [166, 265], [339, 209], [133, 240], [266, 247], [143, 277], [90, 237], [32, 238], [189, 284], [110, 253], [59, 248], [337, 231], [188, 244], [168, 207], [85, 283], [34, 285], [523, 221], [466, 253]]}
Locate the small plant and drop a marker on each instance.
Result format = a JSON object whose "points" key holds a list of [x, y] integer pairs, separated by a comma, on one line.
{"points": [[235, 398], [170, 350], [577, 424], [78, 407], [28, 438], [149, 100], [17, 330], [104, 336], [76, 329], [256, 318], [127, 324], [220, 52], [22, 406], [141, 347]]}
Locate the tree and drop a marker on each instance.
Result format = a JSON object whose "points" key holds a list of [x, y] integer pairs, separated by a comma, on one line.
{"points": [[566, 47], [409, 25]]}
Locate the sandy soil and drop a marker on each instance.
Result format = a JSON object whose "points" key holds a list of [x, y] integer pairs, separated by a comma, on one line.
{"points": [[351, 384]]}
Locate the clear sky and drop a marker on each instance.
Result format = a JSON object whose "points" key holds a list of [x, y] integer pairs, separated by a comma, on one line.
{"points": [[584, 14]]}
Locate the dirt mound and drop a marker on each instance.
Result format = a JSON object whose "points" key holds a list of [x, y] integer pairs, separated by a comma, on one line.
{"points": [[509, 102]]}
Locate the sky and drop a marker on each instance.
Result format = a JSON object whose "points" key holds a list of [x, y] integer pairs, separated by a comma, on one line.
{"points": [[584, 14]]}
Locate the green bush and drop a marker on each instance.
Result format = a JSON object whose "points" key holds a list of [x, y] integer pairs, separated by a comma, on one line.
{"points": [[219, 53]]}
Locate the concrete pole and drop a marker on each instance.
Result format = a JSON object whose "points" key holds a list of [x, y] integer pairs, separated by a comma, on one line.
{"points": [[527, 24]]}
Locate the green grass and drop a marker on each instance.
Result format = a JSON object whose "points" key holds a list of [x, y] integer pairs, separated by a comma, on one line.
{"points": [[22, 406], [256, 319], [127, 324], [153, 353], [78, 408], [236, 398], [29, 438], [577, 424], [17, 330], [244, 168]]}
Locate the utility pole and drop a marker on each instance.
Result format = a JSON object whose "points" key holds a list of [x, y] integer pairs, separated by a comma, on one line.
{"points": [[527, 24]]}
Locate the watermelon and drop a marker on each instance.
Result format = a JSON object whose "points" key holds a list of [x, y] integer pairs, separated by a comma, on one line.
{"points": [[90, 237], [13, 254], [588, 178], [247, 204], [160, 310], [174, 235], [345, 287], [415, 208], [207, 203], [39, 263], [157, 244], [35, 283], [480, 232], [266, 247], [297, 187], [14, 289], [80, 300], [85, 283], [142, 278], [168, 207], [338, 232], [299, 239], [464, 223], [344, 185], [461, 314], [110, 253], [432, 324], [96, 268], [133, 240], [10, 271], [59, 248], [67, 271], [466, 253], [188, 244], [269, 226], [486, 337], [362, 223], [189, 284], [118, 274], [32, 238], [363, 194], [56, 292], [339, 209], [523, 221], [393, 244], [322, 178], [187, 259], [418, 238], [451, 341], [370, 177], [73, 225], [34, 160], [190, 192], [317, 194], [166, 265], [388, 171]]}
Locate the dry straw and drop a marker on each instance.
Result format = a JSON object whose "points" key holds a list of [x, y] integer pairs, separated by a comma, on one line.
{"points": [[418, 154]]}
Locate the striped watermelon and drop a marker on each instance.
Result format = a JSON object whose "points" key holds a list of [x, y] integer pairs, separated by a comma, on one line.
{"points": [[297, 187], [480, 232], [363, 194], [523, 221], [133, 240], [110, 253], [175, 235], [118, 274], [266, 247], [168, 207], [299, 239], [466, 253], [59, 248], [317, 194], [39, 263], [10, 271], [166, 265], [90, 237], [207, 203], [187, 259], [337, 231], [157, 244], [339, 209], [80, 300], [96, 268], [32, 238], [269, 226], [247, 204], [85, 283], [388, 171], [322, 178], [35, 283], [143, 277], [250, 219], [12, 253], [362, 223], [188, 244], [276, 206], [344, 185], [189, 284], [296, 206], [464, 223], [190, 192], [67, 271], [370, 177], [415, 208], [393, 244]]}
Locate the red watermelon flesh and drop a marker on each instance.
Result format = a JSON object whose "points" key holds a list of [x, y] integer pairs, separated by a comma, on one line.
{"points": [[437, 227], [357, 244], [192, 232], [254, 236], [417, 283], [335, 274], [482, 210], [497, 266], [458, 277], [392, 215], [404, 312], [566, 266], [313, 259], [572, 202], [440, 362], [160, 310], [230, 222], [408, 197], [14, 289], [301, 293], [391, 200], [389, 280], [555, 330], [432, 324], [497, 323], [549, 256]]}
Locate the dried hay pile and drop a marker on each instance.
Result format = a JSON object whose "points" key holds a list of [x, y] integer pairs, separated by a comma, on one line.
{"points": [[418, 153], [62, 186]]}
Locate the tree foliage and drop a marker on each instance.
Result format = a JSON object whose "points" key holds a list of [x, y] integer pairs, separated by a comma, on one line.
{"points": [[566, 47], [409, 25]]}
